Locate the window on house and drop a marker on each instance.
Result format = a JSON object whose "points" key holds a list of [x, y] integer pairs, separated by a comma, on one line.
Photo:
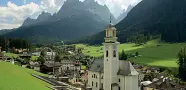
{"points": [[119, 80], [114, 53], [106, 53], [119, 88], [96, 84], [92, 76], [92, 83]]}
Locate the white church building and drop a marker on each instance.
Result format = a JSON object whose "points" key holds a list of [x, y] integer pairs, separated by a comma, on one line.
{"points": [[112, 73]]}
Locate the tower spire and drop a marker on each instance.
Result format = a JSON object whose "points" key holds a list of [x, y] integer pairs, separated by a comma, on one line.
{"points": [[110, 19]]}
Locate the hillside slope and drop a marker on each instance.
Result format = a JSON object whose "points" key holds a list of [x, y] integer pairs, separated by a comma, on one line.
{"points": [[13, 77], [164, 55], [154, 17]]}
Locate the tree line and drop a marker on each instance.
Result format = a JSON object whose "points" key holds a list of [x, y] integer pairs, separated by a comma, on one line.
{"points": [[13, 43]]}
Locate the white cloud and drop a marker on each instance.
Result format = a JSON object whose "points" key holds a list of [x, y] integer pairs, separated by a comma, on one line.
{"points": [[14, 15], [8, 26], [51, 6], [117, 6], [24, 1]]}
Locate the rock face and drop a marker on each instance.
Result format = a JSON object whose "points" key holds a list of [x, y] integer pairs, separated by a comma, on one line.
{"points": [[75, 19], [44, 16], [124, 14], [151, 17]]}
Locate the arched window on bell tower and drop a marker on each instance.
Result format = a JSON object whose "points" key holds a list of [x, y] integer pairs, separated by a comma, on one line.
{"points": [[107, 53], [107, 33], [114, 33], [114, 53]]}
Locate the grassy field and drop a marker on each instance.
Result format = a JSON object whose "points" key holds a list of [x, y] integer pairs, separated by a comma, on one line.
{"points": [[13, 77], [34, 58], [11, 55], [164, 55], [15, 56]]}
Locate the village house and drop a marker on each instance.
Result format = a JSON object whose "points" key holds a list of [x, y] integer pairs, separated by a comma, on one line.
{"points": [[50, 55], [163, 84], [112, 73], [74, 78], [139, 70], [70, 65], [36, 53], [34, 65], [84, 77], [3, 57], [50, 67]]}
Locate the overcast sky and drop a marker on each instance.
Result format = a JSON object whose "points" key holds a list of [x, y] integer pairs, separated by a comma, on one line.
{"points": [[14, 12]]}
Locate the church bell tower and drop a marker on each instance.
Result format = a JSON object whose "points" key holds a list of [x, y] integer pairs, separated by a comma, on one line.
{"points": [[111, 57]]}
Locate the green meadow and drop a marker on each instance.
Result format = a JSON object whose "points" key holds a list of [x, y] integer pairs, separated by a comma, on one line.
{"points": [[150, 54], [33, 58], [13, 77], [11, 55]]}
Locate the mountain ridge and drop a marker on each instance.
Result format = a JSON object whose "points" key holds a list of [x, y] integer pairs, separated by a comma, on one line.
{"points": [[150, 17], [73, 17]]}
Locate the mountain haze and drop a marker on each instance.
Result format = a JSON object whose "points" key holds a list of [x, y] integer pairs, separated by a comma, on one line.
{"points": [[75, 19], [44, 16], [124, 14], [155, 17]]}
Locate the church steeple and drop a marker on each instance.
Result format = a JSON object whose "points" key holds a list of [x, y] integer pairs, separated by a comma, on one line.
{"points": [[110, 19], [111, 33], [111, 57]]}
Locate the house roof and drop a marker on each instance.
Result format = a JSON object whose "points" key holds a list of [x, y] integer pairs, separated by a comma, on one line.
{"points": [[85, 75], [97, 66], [57, 64], [35, 64], [146, 83], [164, 84], [127, 69]]}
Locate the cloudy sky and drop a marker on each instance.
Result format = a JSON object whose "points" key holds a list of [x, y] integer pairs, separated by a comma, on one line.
{"points": [[14, 12]]}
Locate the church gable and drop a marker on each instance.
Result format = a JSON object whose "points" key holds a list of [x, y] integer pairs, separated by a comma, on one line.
{"points": [[126, 69]]}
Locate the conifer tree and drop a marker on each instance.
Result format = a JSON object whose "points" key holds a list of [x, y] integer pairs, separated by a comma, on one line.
{"points": [[182, 63], [123, 56]]}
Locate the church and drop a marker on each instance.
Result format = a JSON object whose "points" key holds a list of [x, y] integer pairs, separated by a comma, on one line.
{"points": [[112, 73]]}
